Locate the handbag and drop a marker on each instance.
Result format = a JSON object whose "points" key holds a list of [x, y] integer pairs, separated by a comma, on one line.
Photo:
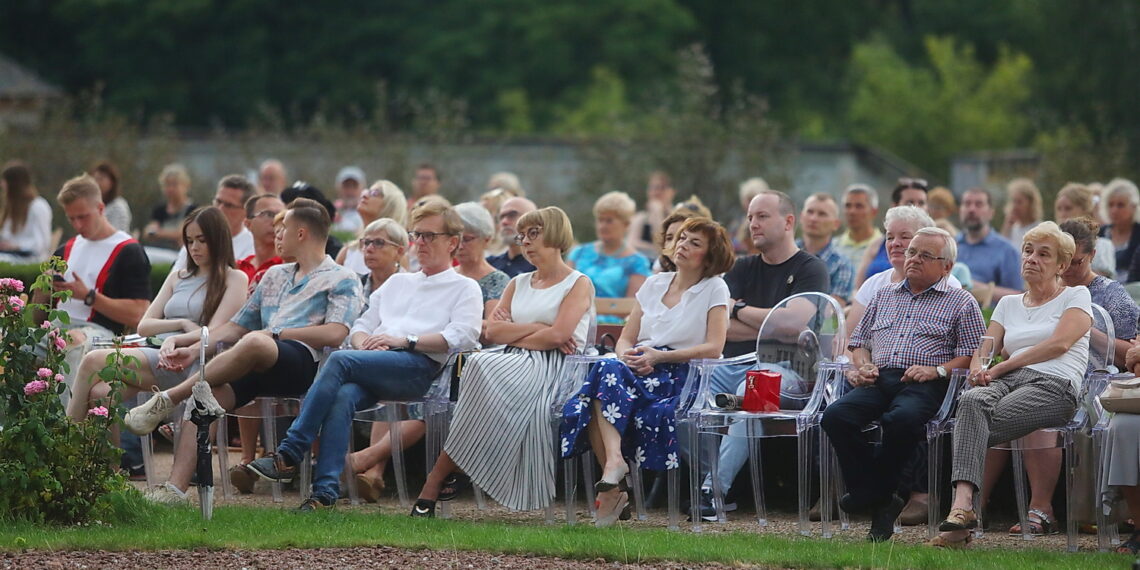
{"points": [[761, 391], [1122, 396]]}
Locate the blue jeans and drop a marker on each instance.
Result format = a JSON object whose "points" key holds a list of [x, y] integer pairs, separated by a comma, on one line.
{"points": [[734, 447], [350, 380]]}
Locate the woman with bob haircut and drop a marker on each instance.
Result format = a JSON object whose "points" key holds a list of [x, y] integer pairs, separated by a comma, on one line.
{"points": [[209, 291], [626, 405], [1043, 336], [500, 437]]}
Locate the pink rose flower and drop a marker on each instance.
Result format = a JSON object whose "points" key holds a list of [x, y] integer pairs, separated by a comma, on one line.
{"points": [[16, 303], [59, 378], [60, 343], [35, 387], [99, 411], [45, 325], [14, 284], [44, 373]]}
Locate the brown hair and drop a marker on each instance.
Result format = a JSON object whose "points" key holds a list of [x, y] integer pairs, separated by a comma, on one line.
{"points": [[18, 198], [678, 215], [313, 215], [1084, 231], [106, 168], [216, 230], [719, 258], [238, 182]]}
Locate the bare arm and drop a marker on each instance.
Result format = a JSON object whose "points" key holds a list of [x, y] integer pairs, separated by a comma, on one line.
{"points": [[635, 283], [500, 328], [153, 322], [321, 336], [561, 333], [1073, 325], [747, 323]]}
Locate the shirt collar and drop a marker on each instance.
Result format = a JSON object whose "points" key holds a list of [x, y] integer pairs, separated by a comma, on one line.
{"points": [[942, 285]]}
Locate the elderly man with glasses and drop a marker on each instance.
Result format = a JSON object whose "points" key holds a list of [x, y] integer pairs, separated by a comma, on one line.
{"points": [[912, 335]]}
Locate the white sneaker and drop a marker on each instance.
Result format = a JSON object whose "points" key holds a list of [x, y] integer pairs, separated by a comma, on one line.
{"points": [[167, 494], [144, 418]]}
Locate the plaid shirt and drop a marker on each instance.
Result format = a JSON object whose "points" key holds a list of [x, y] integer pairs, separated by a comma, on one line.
{"points": [[902, 329], [840, 271]]}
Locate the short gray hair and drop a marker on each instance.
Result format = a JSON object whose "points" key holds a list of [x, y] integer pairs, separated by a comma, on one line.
{"points": [[391, 228], [752, 187], [1126, 187], [476, 219], [872, 196], [949, 246], [917, 217]]}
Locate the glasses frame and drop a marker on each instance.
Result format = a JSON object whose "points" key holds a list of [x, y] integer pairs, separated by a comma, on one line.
{"points": [[922, 256], [532, 233], [426, 237]]}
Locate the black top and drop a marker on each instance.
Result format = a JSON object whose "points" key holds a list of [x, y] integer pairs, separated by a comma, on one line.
{"points": [[128, 278], [511, 266], [762, 285], [1127, 256], [168, 221]]}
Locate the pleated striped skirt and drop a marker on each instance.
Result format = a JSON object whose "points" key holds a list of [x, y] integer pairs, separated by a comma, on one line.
{"points": [[501, 434]]}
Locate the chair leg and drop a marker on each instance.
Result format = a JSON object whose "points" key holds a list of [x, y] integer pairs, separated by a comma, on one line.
{"points": [[804, 456], [1020, 487], [1071, 462], [695, 481], [754, 470], [1106, 534], [589, 478], [269, 426], [392, 414], [672, 478], [933, 482], [717, 491], [221, 442], [570, 487]]}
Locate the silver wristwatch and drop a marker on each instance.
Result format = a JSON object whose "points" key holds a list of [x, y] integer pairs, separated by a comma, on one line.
{"points": [[412, 340], [942, 375]]}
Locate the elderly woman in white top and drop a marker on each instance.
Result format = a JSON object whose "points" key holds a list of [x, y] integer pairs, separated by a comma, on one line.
{"points": [[412, 321], [500, 438], [679, 316], [383, 200], [1043, 334]]}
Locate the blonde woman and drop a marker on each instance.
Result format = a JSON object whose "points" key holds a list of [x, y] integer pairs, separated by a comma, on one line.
{"points": [[1023, 211], [1077, 201], [382, 200], [616, 269]]}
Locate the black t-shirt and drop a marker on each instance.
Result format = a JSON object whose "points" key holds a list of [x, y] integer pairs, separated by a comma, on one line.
{"points": [[128, 278], [762, 285]]}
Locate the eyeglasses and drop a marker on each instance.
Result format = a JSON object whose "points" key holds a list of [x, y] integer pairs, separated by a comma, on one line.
{"points": [[531, 234], [264, 214], [373, 192], [376, 242], [228, 205], [468, 239], [921, 255], [919, 183], [426, 237]]}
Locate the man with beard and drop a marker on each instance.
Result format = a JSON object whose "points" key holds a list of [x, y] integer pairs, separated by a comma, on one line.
{"points": [[990, 257], [512, 261]]}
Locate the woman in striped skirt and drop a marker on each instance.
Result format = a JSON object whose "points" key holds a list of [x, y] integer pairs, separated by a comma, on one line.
{"points": [[500, 436]]}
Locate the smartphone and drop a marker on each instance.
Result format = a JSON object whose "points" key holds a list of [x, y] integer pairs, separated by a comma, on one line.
{"points": [[57, 277]]}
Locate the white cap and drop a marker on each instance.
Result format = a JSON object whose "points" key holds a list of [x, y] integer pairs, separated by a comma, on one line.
{"points": [[350, 172]]}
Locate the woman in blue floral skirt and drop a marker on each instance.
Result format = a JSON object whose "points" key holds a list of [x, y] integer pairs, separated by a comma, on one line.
{"points": [[626, 405]]}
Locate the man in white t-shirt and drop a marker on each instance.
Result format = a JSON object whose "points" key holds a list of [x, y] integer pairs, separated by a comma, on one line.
{"points": [[233, 191], [108, 273]]}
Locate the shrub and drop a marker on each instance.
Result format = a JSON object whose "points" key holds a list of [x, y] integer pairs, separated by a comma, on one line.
{"points": [[52, 470]]}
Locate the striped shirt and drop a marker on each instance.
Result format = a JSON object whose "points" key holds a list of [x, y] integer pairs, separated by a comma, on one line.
{"points": [[902, 329]]}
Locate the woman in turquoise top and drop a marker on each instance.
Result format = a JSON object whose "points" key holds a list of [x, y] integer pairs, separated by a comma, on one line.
{"points": [[616, 269]]}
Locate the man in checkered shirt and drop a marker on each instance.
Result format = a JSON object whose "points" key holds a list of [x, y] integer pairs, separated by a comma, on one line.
{"points": [[913, 334]]}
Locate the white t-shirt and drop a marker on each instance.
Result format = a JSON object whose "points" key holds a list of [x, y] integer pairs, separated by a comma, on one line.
{"points": [[243, 248], [881, 279], [414, 303], [86, 261], [35, 236], [1026, 327], [684, 325]]}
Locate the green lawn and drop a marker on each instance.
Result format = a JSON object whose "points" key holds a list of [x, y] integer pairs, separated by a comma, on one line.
{"points": [[269, 528]]}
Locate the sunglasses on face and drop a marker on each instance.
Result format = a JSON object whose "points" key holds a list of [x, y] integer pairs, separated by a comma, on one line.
{"points": [[919, 183]]}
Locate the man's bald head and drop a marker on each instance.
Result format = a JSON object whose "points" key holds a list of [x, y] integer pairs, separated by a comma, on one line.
{"points": [[509, 214], [271, 176]]}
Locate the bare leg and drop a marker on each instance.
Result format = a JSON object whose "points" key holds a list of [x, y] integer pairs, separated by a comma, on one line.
{"points": [[255, 352], [1043, 466], [185, 454], [996, 460], [444, 466], [963, 499], [1132, 498], [373, 460], [248, 430], [88, 377], [610, 455]]}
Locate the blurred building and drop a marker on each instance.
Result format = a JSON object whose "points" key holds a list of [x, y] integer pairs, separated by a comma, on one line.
{"points": [[24, 96]]}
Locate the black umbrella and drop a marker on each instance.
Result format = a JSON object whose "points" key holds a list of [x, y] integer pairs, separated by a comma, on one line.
{"points": [[204, 412]]}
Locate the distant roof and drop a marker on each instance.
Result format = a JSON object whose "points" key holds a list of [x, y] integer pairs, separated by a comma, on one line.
{"points": [[18, 81]]}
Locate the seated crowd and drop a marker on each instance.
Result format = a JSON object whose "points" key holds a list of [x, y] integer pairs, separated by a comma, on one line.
{"points": [[291, 313]]}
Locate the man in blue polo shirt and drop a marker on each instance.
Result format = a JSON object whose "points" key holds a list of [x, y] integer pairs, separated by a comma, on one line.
{"points": [[990, 257]]}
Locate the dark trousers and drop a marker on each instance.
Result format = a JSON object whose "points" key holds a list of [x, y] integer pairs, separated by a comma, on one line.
{"points": [[872, 472]]}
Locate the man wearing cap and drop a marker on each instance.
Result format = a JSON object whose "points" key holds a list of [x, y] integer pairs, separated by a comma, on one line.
{"points": [[349, 183]]}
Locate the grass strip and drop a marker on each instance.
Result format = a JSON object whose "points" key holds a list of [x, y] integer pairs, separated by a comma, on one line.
{"points": [[256, 528]]}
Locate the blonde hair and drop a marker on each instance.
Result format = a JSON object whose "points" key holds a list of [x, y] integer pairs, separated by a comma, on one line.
{"points": [[389, 227], [1080, 195], [752, 188], [176, 171], [616, 203], [81, 187], [943, 198], [1025, 187], [395, 203], [1066, 246], [452, 223], [556, 229]]}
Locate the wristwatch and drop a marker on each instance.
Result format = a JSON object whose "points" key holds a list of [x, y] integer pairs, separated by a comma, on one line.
{"points": [[89, 300], [412, 340], [736, 308], [276, 334], [942, 375]]}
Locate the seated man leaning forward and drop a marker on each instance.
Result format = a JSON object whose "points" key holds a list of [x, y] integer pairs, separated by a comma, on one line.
{"points": [[296, 311], [412, 321], [920, 329]]}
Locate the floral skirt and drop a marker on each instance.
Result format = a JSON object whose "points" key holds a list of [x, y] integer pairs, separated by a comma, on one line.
{"points": [[647, 403]]}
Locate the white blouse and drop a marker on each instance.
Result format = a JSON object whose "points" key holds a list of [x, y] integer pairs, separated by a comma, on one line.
{"points": [[35, 236], [683, 325]]}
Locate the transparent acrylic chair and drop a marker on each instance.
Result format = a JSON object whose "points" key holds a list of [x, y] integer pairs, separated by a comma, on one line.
{"points": [[268, 409], [1101, 356], [1107, 535], [803, 337]]}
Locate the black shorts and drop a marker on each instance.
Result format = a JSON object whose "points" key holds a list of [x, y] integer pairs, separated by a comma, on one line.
{"points": [[290, 376]]}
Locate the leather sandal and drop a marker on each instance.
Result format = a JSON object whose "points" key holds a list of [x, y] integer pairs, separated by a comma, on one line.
{"points": [[959, 519], [941, 542], [1039, 524], [453, 485]]}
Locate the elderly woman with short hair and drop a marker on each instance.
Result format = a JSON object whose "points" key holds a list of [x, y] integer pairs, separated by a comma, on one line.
{"points": [[616, 269], [1043, 336], [1076, 201], [478, 231], [1122, 206]]}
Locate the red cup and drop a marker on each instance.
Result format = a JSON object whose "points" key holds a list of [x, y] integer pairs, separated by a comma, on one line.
{"points": [[761, 391]]}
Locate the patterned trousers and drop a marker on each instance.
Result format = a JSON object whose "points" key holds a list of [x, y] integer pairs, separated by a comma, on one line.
{"points": [[1011, 407]]}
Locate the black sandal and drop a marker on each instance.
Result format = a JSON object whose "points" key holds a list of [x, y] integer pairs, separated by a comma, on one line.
{"points": [[1130, 546], [453, 485], [424, 508]]}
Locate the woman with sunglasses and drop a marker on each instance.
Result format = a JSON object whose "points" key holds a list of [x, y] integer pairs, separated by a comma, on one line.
{"points": [[478, 231], [500, 437], [382, 200]]}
